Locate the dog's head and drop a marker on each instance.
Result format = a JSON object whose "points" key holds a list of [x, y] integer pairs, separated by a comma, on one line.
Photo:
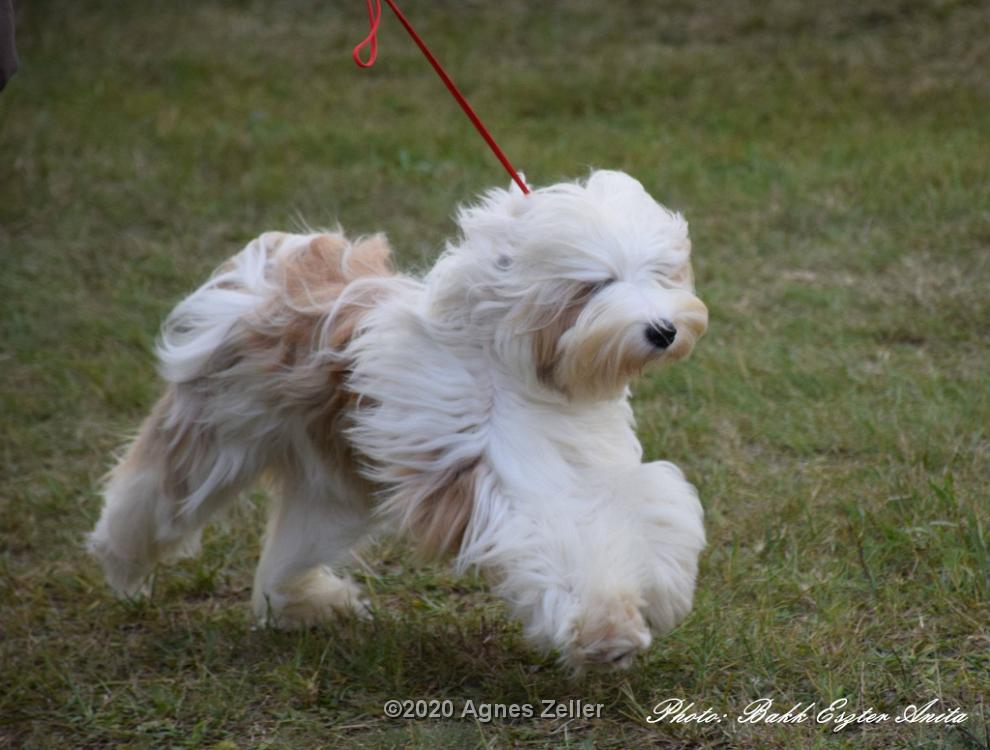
{"points": [[578, 285]]}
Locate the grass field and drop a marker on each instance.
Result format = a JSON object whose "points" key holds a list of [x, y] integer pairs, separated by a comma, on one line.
{"points": [[834, 161]]}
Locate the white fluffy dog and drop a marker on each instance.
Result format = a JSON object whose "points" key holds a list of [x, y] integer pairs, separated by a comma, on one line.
{"points": [[483, 410]]}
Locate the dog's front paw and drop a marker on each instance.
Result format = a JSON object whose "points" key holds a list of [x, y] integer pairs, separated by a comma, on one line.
{"points": [[315, 597], [608, 635]]}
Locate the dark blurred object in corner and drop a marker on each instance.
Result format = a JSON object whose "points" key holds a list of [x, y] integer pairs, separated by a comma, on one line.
{"points": [[8, 52]]}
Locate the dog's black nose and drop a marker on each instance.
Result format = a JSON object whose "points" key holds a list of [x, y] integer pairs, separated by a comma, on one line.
{"points": [[661, 333]]}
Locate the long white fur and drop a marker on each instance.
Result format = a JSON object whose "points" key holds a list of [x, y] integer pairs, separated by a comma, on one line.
{"points": [[592, 549]]}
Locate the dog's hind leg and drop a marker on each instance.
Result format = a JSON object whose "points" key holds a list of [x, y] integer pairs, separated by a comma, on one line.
{"points": [[173, 477], [312, 526]]}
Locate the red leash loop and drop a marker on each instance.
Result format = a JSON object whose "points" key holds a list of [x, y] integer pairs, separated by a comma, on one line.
{"points": [[371, 41], [374, 18]]}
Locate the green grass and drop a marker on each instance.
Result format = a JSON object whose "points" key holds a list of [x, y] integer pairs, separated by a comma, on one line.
{"points": [[833, 160]]}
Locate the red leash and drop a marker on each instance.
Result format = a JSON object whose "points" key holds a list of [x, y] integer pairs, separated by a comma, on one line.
{"points": [[371, 41]]}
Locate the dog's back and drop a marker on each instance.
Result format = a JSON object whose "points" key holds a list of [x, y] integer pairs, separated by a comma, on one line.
{"points": [[279, 291]]}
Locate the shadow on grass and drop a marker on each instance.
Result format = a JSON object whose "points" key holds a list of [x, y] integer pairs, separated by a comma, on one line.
{"points": [[352, 666]]}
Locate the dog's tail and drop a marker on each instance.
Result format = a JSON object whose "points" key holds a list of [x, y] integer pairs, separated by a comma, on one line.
{"points": [[207, 321], [236, 356]]}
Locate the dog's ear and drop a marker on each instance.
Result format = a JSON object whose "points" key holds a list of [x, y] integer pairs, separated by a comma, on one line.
{"points": [[546, 338]]}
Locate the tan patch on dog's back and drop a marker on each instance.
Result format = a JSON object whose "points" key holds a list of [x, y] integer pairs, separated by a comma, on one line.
{"points": [[312, 280], [313, 276]]}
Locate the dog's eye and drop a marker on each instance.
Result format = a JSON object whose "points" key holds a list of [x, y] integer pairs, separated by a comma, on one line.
{"points": [[503, 262]]}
